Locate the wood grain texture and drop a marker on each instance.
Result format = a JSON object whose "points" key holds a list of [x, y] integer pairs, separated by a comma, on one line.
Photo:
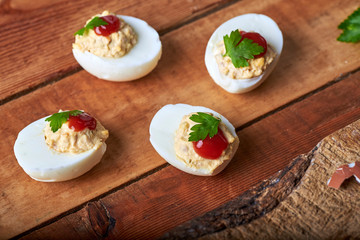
{"points": [[167, 198], [313, 210], [252, 204], [36, 36], [126, 109]]}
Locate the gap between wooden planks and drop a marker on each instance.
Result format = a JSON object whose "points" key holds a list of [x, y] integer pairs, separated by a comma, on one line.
{"points": [[169, 197], [126, 111]]}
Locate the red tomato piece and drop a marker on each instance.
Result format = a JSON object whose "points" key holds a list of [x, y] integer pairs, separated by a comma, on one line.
{"points": [[106, 30], [82, 121], [257, 38], [211, 148]]}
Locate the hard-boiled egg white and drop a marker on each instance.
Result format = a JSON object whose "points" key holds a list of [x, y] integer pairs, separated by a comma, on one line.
{"points": [[162, 131], [259, 23], [46, 165], [140, 61]]}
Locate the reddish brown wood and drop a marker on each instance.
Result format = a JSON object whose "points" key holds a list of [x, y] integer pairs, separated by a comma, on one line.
{"points": [[169, 197], [100, 220], [295, 203], [252, 204], [126, 110], [36, 36]]}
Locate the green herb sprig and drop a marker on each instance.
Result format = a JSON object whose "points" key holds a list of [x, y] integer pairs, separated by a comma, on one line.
{"points": [[95, 22], [58, 119], [208, 126], [351, 28], [240, 52]]}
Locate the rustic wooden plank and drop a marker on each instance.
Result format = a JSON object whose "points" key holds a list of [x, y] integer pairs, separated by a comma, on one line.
{"points": [[126, 110], [36, 38], [312, 210], [249, 206], [169, 197]]}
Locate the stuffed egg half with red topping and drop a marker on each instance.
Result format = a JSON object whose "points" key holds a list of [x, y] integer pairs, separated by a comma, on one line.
{"points": [[234, 79], [124, 49], [73, 149], [171, 128]]}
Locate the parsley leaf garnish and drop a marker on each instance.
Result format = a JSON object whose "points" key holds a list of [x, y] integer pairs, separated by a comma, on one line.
{"points": [[351, 28], [240, 52], [58, 119], [208, 125], [95, 22]]}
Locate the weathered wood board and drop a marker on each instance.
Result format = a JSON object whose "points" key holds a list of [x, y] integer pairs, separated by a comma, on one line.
{"points": [[310, 62], [165, 199]]}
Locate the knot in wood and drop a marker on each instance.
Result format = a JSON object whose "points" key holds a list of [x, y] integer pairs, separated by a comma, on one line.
{"points": [[100, 219]]}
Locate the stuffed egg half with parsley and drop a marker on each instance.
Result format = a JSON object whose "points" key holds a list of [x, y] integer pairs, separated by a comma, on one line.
{"points": [[172, 127], [53, 151], [235, 77], [124, 48]]}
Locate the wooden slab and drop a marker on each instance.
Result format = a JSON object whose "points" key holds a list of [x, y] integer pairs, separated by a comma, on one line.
{"points": [[167, 198], [44, 32], [126, 110]]}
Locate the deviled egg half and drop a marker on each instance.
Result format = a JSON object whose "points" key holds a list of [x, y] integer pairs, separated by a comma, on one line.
{"points": [[60, 147], [116, 47], [194, 139], [243, 51]]}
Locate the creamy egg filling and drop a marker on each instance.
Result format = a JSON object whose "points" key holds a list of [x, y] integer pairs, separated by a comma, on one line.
{"points": [[256, 66], [66, 140], [115, 45], [185, 151]]}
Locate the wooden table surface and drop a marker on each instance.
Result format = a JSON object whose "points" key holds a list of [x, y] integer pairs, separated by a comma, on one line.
{"points": [[133, 192]]}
